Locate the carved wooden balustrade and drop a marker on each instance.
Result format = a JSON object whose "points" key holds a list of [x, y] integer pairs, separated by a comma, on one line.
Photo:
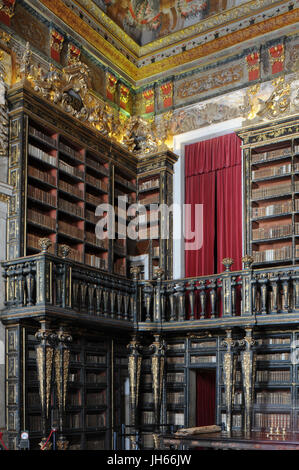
{"points": [[232, 297], [45, 282]]}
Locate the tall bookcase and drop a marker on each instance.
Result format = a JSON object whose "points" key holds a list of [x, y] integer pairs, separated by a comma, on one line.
{"points": [[271, 183]]}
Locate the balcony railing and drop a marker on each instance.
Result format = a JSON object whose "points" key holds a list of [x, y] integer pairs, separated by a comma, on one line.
{"points": [[43, 282], [244, 295]]}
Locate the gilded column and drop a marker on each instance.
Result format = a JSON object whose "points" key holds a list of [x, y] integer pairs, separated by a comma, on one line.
{"points": [[135, 359], [248, 375], [44, 358], [158, 348], [62, 361], [229, 370]]}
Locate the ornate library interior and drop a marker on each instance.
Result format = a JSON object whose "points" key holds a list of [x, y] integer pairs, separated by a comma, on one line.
{"points": [[149, 179]]}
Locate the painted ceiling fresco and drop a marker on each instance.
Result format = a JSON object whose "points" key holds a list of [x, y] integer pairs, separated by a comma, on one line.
{"points": [[148, 20]]}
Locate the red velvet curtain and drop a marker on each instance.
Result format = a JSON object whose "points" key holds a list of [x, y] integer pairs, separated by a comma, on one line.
{"points": [[213, 178], [205, 397]]}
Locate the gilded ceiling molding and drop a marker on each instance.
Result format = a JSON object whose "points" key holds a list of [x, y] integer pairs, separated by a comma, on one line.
{"points": [[150, 70], [214, 21]]}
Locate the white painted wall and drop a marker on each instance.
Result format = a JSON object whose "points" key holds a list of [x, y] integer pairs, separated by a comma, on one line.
{"points": [[214, 130]]}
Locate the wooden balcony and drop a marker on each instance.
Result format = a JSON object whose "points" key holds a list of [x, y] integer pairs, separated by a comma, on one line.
{"points": [[45, 285]]}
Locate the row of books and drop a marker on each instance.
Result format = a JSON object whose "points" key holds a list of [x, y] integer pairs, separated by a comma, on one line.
{"points": [[70, 230], [175, 346], [203, 344], [93, 398], [237, 399], [41, 155], [179, 377], [74, 376], [41, 135], [95, 261], [272, 171], [95, 359], [270, 191], [284, 356], [120, 247], [71, 170], [200, 359], [128, 184], [97, 166], [273, 398], [42, 196], [120, 269], [71, 152], [266, 341], [176, 398], [90, 216], [274, 209], [94, 240], [41, 219], [175, 360], [150, 184], [271, 420], [271, 154], [95, 200], [176, 418], [156, 251], [149, 199], [273, 232], [236, 420], [95, 444], [74, 399], [277, 254], [70, 188], [73, 420], [75, 255], [44, 176], [273, 375], [97, 183], [96, 377], [70, 207]]}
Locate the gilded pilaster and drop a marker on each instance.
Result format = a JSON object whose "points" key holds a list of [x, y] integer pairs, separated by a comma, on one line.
{"points": [[135, 359], [248, 376], [229, 370], [62, 361], [45, 358], [157, 348]]}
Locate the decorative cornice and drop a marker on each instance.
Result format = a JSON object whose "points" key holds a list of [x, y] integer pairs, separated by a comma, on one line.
{"points": [[96, 40]]}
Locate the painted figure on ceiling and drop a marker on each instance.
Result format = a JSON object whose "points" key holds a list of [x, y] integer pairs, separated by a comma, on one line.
{"points": [[147, 20]]}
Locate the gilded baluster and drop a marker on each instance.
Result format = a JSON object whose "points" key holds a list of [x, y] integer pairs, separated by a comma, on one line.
{"points": [[212, 287], [228, 376], [98, 300], [180, 289], [90, 293], [75, 293], [285, 278], [202, 297], [126, 306], [58, 270], [254, 293], [119, 305], [170, 291], [30, 283], [62, 361], [112, 303], [248, 376], [148, 291], [20, 285], [83, 292], [233, 296], [106, 302], [263, 281], [273, 279], [191, 290], [44, 359]]}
